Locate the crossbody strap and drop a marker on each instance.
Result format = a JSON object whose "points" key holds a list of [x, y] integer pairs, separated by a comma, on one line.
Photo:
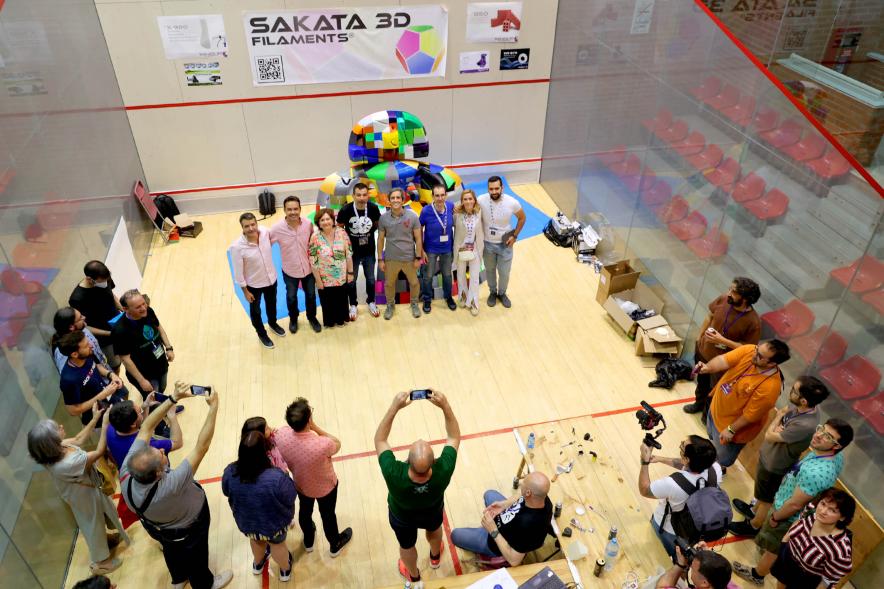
{"points": [[139, 510]]}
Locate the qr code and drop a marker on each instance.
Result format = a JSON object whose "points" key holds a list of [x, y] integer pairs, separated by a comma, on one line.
{"points": [[794, 39], [270, 69]]}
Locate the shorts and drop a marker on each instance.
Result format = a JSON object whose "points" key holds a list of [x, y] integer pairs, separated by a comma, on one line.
{"points": [[769, 538], [276, 538], [406, 529], [766, 483], [787, 571]]}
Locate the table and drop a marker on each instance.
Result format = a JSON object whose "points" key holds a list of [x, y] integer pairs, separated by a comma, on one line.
{"points": [[520, 574]]}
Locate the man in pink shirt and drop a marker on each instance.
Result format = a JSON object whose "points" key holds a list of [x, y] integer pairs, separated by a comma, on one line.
{"points": [[307, 450], [292, 234], [255, 274]]}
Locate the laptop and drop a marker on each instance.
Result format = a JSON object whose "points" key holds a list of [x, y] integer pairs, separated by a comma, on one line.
{"points": [[545, 579]]}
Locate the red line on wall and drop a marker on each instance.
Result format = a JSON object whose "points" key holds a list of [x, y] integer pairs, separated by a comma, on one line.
{"points": [[785, 91], [336, 94]]}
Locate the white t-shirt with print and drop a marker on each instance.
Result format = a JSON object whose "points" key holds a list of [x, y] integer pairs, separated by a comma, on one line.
{"points": [[667, 489], [497, 214]]}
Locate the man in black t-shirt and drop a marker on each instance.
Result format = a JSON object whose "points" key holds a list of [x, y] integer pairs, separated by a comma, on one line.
{"points": [[84, 382], [360, 220], [94, 298], [511, 527], [143, 345]]}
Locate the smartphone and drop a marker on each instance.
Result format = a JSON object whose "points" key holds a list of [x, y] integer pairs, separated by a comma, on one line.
{"points": [[421, 394], [198, 390]]}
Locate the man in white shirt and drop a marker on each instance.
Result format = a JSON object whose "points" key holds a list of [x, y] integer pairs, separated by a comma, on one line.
{"points": [[497, 211], [255, 274], [292, 234], [696, 460]]}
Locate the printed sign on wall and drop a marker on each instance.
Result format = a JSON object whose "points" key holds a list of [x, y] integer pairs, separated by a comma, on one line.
{"points": [[514, 59], [346, 44], [494, 22], [193, 36]]}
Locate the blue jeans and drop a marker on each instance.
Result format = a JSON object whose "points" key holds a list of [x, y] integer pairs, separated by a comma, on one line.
{"points": [[476, 539], [667, 539], [727, 454], [367, 263], [498, 260], [435, 263], [308, 283]]}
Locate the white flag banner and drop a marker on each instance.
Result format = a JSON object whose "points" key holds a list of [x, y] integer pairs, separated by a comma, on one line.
{"points": [[346, 44], [193, 36], [494, 22]]}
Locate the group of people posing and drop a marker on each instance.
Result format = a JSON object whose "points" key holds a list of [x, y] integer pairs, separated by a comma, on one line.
{"points": [[327, 259]]}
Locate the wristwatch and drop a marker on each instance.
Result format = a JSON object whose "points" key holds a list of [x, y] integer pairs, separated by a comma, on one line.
{"points": [[495, 534], [730, 429], [170, 349]]}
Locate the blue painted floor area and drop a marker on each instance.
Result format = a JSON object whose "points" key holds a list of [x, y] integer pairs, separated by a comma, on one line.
{"points": [[534, 223]]}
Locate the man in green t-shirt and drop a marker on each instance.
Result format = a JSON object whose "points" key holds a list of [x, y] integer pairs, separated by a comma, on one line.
{"points": [[417, 487]]}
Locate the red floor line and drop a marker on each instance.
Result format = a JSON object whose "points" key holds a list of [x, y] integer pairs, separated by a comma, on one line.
{"points": [[455, 560], [265, 576]]}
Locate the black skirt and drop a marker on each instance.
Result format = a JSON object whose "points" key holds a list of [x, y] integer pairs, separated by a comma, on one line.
{"points": [[787, 571]]}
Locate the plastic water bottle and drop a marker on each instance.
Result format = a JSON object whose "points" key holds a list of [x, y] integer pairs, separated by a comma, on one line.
{"points": [[611, 552], [531, 441]]}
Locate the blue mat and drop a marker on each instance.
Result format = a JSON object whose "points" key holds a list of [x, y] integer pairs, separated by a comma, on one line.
{"points": [[535, 221]]}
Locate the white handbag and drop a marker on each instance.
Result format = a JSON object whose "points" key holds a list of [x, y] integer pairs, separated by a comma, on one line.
{"points": [[466, 255]]}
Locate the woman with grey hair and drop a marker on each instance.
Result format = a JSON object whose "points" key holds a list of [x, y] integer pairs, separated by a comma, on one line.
{"points": [[79, 484]]}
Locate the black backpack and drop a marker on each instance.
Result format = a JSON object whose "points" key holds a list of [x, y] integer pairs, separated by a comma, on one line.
{"points": [[166, 206], [707, 513], [266, 203]]}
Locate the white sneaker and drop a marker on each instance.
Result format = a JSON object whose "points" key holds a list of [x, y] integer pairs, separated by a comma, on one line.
{"points": [[222, 579], [352, 312], [373, 309]]}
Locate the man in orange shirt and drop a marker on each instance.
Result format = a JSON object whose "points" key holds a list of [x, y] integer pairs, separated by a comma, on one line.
{"points": [[744, 395]]}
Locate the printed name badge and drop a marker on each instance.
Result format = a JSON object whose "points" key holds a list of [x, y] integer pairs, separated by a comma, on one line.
{"points": [[363, 241], [443, 238], [493, 232], [158, 352], [727, 387]]}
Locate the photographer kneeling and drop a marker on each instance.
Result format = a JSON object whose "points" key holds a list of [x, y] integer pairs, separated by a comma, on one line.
{"points": [[699, 567]]}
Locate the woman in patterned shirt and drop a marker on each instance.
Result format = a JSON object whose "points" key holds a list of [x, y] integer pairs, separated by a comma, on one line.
{"points": [[331, 256], [817, 550]]}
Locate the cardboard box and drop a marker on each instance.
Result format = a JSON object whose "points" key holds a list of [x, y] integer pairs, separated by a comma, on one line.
{"points": [[642, 296], [615, 278], [656, 336]]}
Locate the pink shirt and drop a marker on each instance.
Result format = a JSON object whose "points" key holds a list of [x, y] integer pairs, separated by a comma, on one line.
{"points": [[293, 246], [308, 456], [253, 262]]}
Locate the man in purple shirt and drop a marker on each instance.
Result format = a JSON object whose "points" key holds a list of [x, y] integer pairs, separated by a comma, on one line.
{"points": [[438, 223], [126, 418], [255, 274], [292, 234]]}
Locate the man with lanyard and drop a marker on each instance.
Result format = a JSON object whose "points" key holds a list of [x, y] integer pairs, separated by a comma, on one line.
{"points": [[746, 392], [400, 249], [788, 435], [497, 210], [360, 220], [731, 323], [292, 234], [816, 472], [254, 272], [438, 223]]}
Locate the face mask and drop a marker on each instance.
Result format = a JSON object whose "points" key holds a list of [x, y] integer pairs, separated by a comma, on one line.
{"points": [[101, 284]]}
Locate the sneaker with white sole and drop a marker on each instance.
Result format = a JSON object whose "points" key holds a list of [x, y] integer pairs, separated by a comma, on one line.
{"points": [[352, 312], [415, 310], [435, 563], [285, 575], [258, 567], [222, 579], [343, 538], [747, 573], [410, 582], [373, 310], [388, 314]]}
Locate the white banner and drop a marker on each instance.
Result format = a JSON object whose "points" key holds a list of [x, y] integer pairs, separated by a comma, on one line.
{"points": [[346, 44], [193, 36], [494, 22]]}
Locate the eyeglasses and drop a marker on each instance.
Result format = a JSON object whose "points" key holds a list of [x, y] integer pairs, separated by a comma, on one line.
{"points": [[821, 429]]}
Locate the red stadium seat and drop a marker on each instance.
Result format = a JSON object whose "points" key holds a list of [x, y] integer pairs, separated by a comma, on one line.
{"points": [[828, 347], [872, 409], [662, 121], [795, 318], [675, 133], [656, 193], [725, 174], [765, 119], [708, 158], [875, 299], [869, 277], [831, 166], [810, 147], [629, 166], [727, 98], [639, 182], [709, 88], [748, 188], [690, 145], [675, 210], [741, 113], [772, 205], [711, 245], [783, 136], [612, 156], [854, 378], [691, 227]]}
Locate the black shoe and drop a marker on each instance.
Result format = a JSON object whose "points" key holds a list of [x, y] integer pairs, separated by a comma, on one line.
{"points": [[743, 528], [428, 306], [266, 341], [492, 299], [693, 408], [451, 304], [744, 508], [277, 329], [315, 324], [345, 537], [293, 325]]}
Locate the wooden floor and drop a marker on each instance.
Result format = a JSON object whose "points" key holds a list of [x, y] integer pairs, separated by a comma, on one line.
{"points": [[554, 355]]}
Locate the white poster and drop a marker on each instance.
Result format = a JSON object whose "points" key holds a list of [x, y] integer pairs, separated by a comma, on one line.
{"points": [[494, 22], [193, 36], [346, 44], [474, 62], [641, 17]]}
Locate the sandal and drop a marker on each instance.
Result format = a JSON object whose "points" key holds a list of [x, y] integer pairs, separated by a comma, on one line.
{"points": [[104, 569]]}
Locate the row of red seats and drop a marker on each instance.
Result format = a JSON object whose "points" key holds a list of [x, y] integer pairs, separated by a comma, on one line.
{"points": [[786, 136]]}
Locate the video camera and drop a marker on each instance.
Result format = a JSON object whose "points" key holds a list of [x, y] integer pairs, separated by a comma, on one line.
{"points": [[688, 551], [648, 419]]}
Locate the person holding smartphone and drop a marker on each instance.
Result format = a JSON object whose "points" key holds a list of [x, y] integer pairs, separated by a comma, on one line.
{"points": [[416, 488]]}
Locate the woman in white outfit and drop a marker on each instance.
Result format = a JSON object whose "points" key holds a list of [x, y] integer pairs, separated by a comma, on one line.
{"points": [[469, 240]]}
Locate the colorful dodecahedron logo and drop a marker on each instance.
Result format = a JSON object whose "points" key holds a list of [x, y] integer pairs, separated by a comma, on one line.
{"points": [[420, 49]]}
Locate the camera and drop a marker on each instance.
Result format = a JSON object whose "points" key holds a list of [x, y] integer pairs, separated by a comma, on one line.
{"points": [[688, 551], [648, 419]]}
